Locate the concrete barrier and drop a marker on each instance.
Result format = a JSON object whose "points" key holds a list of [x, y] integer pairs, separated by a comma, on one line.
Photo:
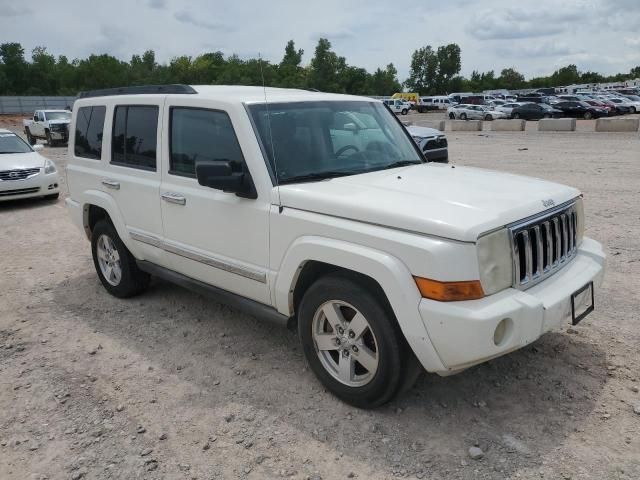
{"points": [[438, 125], [466, 125], [557, 125], [617, 124], [508, 125]]}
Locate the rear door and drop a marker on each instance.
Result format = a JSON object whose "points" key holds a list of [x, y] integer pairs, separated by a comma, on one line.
{"points": [[132, 175]]}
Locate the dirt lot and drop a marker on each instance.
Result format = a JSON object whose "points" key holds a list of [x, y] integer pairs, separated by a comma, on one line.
{"points": [[173, 385]]}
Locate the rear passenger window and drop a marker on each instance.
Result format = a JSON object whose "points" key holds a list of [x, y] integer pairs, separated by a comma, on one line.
{"points": [[89, 131], [135, 136], [199, 134]]}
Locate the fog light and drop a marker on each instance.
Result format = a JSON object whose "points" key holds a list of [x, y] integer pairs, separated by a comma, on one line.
{"points": [[502, 332]]}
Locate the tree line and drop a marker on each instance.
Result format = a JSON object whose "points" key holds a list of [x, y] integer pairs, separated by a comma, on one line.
{"points": [[432, 71]]}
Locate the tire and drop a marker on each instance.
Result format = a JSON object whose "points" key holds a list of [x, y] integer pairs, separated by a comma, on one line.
{"points": [[50, 141], [633, 110], [452, 116], [126, 279], [547, 115], [53, 196], [488, 118], [463, 116], [588, 115], [404, 111], [516, 116], [30, 138], [380, 338]]}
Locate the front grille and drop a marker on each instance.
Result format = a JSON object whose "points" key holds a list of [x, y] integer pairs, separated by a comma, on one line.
{"points": [[20, 174], [543, 246], [435, 143], [19, 191]]}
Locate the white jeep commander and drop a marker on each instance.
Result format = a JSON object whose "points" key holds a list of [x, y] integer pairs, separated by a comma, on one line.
{"points": [[318, 210]]}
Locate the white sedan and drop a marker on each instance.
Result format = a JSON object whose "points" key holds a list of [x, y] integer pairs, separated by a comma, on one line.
{"points": [[474, 112], [24, 172], [507, 107]]}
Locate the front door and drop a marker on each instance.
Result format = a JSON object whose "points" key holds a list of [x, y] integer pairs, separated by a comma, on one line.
{"points": [[209, 235]]}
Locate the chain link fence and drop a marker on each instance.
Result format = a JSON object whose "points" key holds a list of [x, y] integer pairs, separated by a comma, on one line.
{"points": [[27, 105]]}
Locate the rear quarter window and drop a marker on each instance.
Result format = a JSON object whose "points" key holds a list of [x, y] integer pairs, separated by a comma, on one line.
{"points": [[89, 132], [135, 136]]}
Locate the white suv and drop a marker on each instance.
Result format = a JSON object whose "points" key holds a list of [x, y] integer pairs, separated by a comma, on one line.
{"points": [[279, 202]]}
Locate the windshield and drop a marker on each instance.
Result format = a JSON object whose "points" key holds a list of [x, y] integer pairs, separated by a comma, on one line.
{"points": [[11, 143], [331, 138], [58, 115]]}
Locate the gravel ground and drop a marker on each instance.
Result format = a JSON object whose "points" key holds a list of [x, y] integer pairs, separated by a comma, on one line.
{"points": [[174, 385]]}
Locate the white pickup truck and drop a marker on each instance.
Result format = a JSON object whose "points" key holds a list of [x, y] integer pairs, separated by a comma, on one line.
{"points": [[319, 211], [49, 125], [398, 106]]}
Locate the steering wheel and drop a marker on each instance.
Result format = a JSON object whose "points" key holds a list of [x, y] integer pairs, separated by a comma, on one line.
{"points": [[341, 151]]}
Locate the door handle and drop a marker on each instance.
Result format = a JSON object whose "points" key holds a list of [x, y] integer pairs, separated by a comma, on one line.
{"points": [[111, 184], [174, 198]]}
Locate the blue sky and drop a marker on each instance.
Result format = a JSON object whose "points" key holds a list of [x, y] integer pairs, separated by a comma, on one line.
{"points": [[535, 37]]}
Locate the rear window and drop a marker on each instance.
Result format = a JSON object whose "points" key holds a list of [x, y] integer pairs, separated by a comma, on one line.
{"points": [[135, 136], [89, 131]]}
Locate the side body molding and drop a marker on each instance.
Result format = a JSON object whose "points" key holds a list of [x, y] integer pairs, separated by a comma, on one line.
{"points": [[392, 275]]}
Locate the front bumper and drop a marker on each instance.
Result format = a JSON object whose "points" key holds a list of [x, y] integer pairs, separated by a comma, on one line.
{"points": [[463, 332], [440, 155], [37, 186]]}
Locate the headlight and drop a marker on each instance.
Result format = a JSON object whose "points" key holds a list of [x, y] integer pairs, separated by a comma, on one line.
{"points": [[579, 220], [495, 261], [49, 167]]}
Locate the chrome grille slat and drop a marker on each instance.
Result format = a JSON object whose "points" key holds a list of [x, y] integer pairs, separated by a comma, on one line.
{"points": [[543, 245], [18, 174]]}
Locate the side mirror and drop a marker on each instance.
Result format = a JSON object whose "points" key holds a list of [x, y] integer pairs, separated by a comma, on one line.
{"points": [[221, 175], [37, 148]]}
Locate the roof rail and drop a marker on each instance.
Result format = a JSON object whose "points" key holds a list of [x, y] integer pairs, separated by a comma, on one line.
{"points": [[138, 90]]}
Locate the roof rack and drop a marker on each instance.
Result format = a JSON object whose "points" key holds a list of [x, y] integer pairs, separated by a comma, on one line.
{"points": [[138, 90]]}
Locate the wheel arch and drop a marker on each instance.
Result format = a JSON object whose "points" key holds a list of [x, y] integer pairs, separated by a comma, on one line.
{"points": [[98, 205], [309, 257]]}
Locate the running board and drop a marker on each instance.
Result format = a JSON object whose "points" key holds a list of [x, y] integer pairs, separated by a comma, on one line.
{"points": [[251, 307]]}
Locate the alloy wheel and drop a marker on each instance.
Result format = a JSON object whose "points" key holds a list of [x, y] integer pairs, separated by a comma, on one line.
{"points": [[109, 260]]}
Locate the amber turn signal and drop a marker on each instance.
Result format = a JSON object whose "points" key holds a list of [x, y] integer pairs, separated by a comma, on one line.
{"points": [[449, 291]]}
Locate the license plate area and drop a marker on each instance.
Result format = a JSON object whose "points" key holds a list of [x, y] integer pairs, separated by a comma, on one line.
{"points": [[582, 303]]}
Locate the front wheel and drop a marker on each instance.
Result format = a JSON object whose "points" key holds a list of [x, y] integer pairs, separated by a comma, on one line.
{"points": [[352, 342], [116, 267], [588, 116], [404, 111], [463, 116], [452, 116], [488, 118], [516, 116], [50, 141], [30, 138]]}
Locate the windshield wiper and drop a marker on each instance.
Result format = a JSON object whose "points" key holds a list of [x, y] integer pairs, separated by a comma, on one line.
{"points": [[400, 163], [311, 177]]}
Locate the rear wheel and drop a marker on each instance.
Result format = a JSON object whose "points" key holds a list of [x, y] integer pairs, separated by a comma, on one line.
{"points": [[404, 111], [116, 267], [516, 115], [588, 115], [352, 341], [488, 118], [463, 116], [452, 116]]}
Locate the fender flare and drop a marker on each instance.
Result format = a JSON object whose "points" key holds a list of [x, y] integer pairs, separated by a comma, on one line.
{"points": [[390, 273], [109, 205]]}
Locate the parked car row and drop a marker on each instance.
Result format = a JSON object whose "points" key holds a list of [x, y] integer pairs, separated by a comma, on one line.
{"points": [[475, 112]]}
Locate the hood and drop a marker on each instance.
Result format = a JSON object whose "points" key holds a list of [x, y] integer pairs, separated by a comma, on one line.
{"points": [[59, 122], [17, 161], [447, 201], [423, 132]]}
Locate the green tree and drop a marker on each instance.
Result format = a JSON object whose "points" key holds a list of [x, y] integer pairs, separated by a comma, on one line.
{"points": [[424, 70], [290, 72], [511, 79], [384, 82], [566, 76], [43, 79], [449, 65], [325, 68], [14, 68], [634, 72]]}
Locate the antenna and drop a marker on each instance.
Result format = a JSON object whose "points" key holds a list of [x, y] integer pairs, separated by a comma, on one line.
{"points": [[273, 148]]}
